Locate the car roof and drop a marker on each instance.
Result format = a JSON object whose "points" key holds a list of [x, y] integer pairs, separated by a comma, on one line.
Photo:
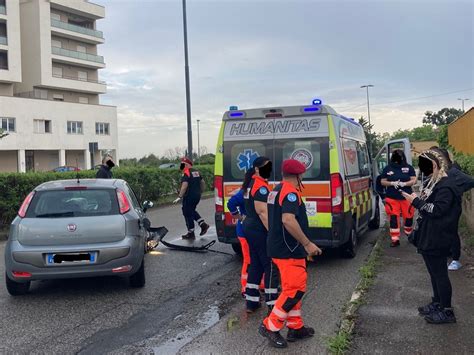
{"points": [[89, 183]]}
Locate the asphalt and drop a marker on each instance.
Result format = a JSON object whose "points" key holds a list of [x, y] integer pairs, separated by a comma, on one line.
{"points": [[191, 304], [389, 322]]}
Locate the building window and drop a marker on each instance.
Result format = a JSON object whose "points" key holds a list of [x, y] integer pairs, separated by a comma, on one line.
{"points": [[41, 94], [58, 97], [82, 75], [58, 72], [102, 128], [56, 43], [74, 127], [42, 126], [56, 17], [8, 124], [81, 49], [83, 100]]}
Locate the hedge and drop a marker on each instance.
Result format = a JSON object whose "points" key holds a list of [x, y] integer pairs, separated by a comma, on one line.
{"points": [[148, 183], [466, 161]]}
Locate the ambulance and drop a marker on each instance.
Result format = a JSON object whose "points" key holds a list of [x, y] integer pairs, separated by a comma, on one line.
{"points": [[339, 193]]}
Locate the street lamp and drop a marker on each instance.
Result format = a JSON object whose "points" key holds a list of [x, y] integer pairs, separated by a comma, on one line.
{"points": [[462, 100], [199, 144], [188, 91], [368, 113]]}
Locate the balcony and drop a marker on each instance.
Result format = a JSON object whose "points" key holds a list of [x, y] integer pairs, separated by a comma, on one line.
{"points": [[76, 32], [71, 83], [77, 79], [3, 41], [78, 58]]}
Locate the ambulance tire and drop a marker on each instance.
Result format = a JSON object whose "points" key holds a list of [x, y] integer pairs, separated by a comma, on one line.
{"points": [[349, 250], [375, 223], [237, 249]]}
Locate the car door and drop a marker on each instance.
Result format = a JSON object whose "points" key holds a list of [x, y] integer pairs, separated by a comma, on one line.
{"points": [[138, 209]]}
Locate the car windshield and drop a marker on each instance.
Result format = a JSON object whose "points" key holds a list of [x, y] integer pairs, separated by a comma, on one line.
{"points": [[67, 203]]}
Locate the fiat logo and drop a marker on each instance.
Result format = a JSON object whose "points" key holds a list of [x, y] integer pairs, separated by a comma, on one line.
{"points": [[71, 227]]}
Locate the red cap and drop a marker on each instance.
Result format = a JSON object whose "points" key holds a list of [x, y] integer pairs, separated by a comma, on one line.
{"points": [[293, 166], [186, 160]]}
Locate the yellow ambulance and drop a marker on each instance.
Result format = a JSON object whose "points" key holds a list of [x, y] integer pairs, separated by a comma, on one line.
{"points": [[338, 185]]}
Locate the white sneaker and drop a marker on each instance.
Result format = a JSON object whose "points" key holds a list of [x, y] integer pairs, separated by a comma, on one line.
{"points": [[455, 265]]}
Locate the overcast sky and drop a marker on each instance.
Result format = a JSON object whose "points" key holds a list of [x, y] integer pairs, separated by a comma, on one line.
{"points": [[270, 53]]}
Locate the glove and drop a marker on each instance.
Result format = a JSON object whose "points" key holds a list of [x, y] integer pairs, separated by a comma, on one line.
{"points": [[395, 184], [177, 200], [402, 184]]}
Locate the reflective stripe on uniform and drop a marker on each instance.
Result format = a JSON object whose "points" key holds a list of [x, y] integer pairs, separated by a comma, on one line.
{"points": [[271, 303], [280, 314], [252, 298], [271, 326], [271, 290], [295, 313], [253, 286]]}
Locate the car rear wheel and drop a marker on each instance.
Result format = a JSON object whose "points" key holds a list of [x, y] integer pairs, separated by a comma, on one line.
{"points": [[349, 250], [375, 223], [17, 288], [137, 280], [237, 248]]}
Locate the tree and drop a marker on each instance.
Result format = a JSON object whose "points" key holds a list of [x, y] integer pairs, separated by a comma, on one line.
{"points": [[443, 137], [442, 117], [3, 134], [374, 141], [423, 133]]}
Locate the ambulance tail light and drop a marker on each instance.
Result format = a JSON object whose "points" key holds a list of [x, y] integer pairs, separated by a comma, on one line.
{"points": [[337, 193], [219, 193]]}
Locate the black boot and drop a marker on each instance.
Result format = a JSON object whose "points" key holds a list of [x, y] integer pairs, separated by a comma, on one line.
{"points": [[395, 244], [426, 310], [274, 338], [441, 316], [189, 236], [298, 334], [204, 228]]}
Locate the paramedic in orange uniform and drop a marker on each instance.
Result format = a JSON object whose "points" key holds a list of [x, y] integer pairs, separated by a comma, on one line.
{"points": [[398, 176], [256, 191], [288, 245]]}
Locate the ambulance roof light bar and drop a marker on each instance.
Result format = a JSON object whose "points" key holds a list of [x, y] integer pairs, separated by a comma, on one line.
{"points": [[317, 102]]}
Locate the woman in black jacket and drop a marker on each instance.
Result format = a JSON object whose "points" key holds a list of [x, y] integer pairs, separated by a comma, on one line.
{"points": [[435, 232]]}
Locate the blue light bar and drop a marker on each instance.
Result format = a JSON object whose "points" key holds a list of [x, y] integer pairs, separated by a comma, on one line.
{"points": [[310, 109], [233, 108], [317, 102], [236, 114]]}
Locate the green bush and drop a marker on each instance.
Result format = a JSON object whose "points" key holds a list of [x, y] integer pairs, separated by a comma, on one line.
{"points": [[148, 183], [466, 161]]}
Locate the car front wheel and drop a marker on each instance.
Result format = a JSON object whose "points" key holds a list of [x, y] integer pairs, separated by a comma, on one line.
{"points": [[16, 288], [137, 280]]}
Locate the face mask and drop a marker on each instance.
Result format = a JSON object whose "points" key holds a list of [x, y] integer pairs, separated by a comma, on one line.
{"points": [[110, 164], [266, 170], [426, 166], [181, 167]]}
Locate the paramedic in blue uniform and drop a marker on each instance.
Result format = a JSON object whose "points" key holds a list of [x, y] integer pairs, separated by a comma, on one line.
{"points": [[192, 185], [256, 190]]}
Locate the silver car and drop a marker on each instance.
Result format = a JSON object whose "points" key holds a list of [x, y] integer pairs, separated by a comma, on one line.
{"points": [[77, 228]]}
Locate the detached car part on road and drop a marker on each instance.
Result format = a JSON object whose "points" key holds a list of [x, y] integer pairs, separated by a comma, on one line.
{"points": [[77, 228]]}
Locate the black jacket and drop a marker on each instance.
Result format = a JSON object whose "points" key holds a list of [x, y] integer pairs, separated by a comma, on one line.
{"points": [[438, 218], [462, 181], [104, 172]]}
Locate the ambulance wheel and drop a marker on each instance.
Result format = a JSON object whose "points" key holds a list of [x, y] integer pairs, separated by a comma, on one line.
{"points": [[349, 250], [375, 223], [237, 248]]}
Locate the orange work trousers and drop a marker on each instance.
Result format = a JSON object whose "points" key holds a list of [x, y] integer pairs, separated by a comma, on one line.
{"points": [[245, 262], [287, 309], [395, 209]]}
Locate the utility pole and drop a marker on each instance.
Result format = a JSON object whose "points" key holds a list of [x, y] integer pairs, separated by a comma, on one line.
{"points": [[462, 100], [368, 115], [188, 91], [199, 143]]}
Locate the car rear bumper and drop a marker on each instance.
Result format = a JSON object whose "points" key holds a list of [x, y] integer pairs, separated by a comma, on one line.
{"points": [[127, 253]]}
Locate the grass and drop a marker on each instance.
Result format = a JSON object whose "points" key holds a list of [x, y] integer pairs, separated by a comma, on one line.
{"points": [[466, 235], [340, 343]]}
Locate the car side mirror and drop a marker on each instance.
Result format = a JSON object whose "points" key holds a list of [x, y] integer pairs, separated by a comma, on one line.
{"points": [[147, 205]]}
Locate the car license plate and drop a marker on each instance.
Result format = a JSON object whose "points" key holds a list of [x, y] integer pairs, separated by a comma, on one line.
{"points": [[71, 258]]}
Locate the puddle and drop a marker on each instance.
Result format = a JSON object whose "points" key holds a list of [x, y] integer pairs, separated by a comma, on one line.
{"points": [[205, 321]]}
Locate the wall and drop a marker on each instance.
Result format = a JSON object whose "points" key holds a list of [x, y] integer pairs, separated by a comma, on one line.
{"points": [[461, 131], [13, 74], [8, 161], [46, 160], [75, 158]]}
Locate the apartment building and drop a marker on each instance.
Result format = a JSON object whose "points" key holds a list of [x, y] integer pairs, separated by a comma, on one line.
{"points": [[50, 86]]}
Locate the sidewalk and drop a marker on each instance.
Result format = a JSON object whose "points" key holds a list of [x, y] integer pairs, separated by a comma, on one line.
{"points": [[389, 322]]}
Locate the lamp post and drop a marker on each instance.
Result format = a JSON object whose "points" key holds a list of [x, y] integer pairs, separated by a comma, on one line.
{"points": [[199, 143], [188, 91], [368, 114], [462, 100]]}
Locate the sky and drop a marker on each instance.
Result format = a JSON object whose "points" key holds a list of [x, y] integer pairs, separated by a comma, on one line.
{"points": [[418, 54]]}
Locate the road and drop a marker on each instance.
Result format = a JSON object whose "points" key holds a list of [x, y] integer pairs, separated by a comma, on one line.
{"points": [[191, 304]]}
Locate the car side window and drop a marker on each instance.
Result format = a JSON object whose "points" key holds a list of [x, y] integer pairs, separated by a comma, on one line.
{"points": [[363, 158]]}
